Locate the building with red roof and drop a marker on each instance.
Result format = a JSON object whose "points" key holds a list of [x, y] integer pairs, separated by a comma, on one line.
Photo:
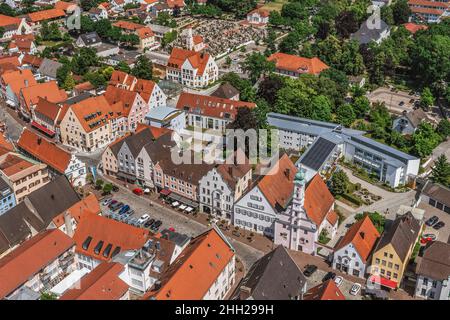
{"points": [[310, 213], [12, 26], [414, 27], [39, 263], [35, 19], [191, 68], [294, 66], [429, 11], [324, 291], [205, 270], [258, 17], [103, 283], [12, 83], [58, 161], [352, 252]]}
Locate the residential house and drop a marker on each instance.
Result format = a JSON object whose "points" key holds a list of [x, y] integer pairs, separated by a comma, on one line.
{"points": [[58, 161], [433, 272], [410, 121], [38, 264], [48, 69], [309, 214], [47, 116], [147, 89], [22, 44], [436, 195], [429, 11], [209, 112], [159, 30], [204, 271], [147, 39], [103, 283], [372, 30], [258, 17], [166, 117], [7, 197], [221, 187], [275, 276], [35, 19], [352, 252], [294, 66], [29, 97], [393, 251], [258, 209], [98, 13], [127, 57], [90, 39], [226, 91], [35, 213], [11, 84], [68, 7], [13, 26], [89, 125], [327, 290], [191, 68]]}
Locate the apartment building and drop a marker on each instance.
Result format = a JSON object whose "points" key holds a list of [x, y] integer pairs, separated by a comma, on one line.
{"points": [[191, 68], [11, 84], [429, 11], [147, 39], [47, 116]]}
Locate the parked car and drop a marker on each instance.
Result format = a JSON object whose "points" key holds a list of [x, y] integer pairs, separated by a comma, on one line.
{"points": [[156, 225], [117, 206], [427, 238], [138, 191], [113, 202], [309, 270], [329, 275], [401, 103], [338, 280], [355, 289], [439, 225], [124, 209], [115, 188], [143, 219], [432, 221], [107, 201], [129, 212], [149, 223]]}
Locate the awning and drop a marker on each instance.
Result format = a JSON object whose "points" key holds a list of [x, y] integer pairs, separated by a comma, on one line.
{"points": [[165, 192], [183, 200], [42, 128], [382, 281]]}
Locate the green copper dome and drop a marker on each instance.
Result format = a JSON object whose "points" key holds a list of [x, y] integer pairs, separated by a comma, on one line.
{"points": [[300, 176]]}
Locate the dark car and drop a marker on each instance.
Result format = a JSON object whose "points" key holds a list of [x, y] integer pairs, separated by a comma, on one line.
{"points": [[328, 276], [438, 225], [309, 270], [149, 223], [115, 188], [113, 202], [156, 225], [117, 206], [432, 221], [124, 209]]}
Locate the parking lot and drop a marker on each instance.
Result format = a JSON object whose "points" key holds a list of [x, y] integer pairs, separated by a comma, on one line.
{"points": [[396, 101], [443, 233]]}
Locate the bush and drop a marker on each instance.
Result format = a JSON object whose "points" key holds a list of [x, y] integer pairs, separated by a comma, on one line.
{"points": [[353, 199]]}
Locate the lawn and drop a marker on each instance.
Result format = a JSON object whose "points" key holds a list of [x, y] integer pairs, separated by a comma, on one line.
{"points": [[275, 5]]}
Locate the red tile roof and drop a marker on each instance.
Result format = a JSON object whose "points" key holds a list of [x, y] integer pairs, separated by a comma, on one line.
{"points": [[102, 283], [127, 25], [34, 61], [17, 267], [262, 12], [48, 90], [191, 275], [318, 200], [44, 150], [14, 164], [19, 79], [363, 235], [46, 15], [413, 27], [62, 5], [198, 60], [144, 33], [91, 106], [80, 210], [124, 97], [290, 62], [118, 234], [124, 80], [211, 106], [8, 21], [324, 291], [172, 3]]}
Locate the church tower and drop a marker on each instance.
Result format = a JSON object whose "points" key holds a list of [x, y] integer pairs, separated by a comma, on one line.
{"points": [[189, 39]]}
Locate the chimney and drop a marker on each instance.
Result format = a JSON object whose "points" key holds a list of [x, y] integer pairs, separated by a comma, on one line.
{"points": [[244, 293], [39, 140], [26, 83], [68, 224], [287, 173], [361, 234]]}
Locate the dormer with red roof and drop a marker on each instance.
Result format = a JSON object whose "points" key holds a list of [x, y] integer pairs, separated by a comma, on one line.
{"points": [[191, 68]]}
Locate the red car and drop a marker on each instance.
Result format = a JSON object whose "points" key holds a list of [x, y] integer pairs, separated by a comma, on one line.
{"points": [[427, 238], [138, 191]]}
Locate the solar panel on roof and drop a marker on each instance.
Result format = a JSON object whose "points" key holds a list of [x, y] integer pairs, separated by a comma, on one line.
{"points": [[318, 154]]}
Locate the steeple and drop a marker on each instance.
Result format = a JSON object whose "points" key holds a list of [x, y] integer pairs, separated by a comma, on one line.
{"points": [[189, 39], [299, 187]]}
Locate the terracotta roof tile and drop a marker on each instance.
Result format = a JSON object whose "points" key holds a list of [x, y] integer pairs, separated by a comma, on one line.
{"points": [[48, 90], [62, 5], [19, 79], [97, 106], [297, 64], [318, 200], [14, 164], [324, 291], [126, 99], [144, 33], [80, 210], [414, 27], [46, 15], [8, 21], [198, 60], [127, 25]]}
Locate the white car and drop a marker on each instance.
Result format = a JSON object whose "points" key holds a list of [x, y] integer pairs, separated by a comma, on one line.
{"points": [[338, 280], [355, 289], [143, 219]]}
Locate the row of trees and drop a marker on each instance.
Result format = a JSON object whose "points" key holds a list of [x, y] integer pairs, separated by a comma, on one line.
{"points": [[108, 32]]}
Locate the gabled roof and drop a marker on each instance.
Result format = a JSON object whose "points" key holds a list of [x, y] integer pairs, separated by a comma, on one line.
{"points": [[136, 141], [114, 234], [435, 262], [363, 235], [437, 192], [93, 113], [6, 21], [175, 3], [48, 90], [20, 265], [34, 61], [124, 80], [195, 270], [144, 33], [47, 108], [80, 210], [12, 164], [44, 150], [49, 67], [62, 5], [90, 38], [127, 25], [46, 15], [324, 291], [318, 200], [275, 276], [416, 117], [198, 60], [414, 27], [211, 106], [102, 283], [19, 79], [401, 235], [126, 98], [367, 33], [232, 173], [297, 64], [260, 11], [278, 184], [225, 91]]}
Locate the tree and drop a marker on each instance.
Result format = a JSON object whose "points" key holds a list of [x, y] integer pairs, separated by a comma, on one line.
{"points": [[169, 37], [69, 83], [99, 184], [401, 11], [129, 40], [245, 119], [48, 296], [321, 108], [345, 115], [246, 90], [123, 66], [62, 73], [424, 140], [270, 42], [87, 24], [339, 183], [143, 68], [87, 5], [443, 128], [426, 98], [107, 188], [441, 171], [6, 10], [2, 32], [164, 19], [268, 88], [377, 219], [346, 24], [290, 43], [361, 105], [256, 65]]}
